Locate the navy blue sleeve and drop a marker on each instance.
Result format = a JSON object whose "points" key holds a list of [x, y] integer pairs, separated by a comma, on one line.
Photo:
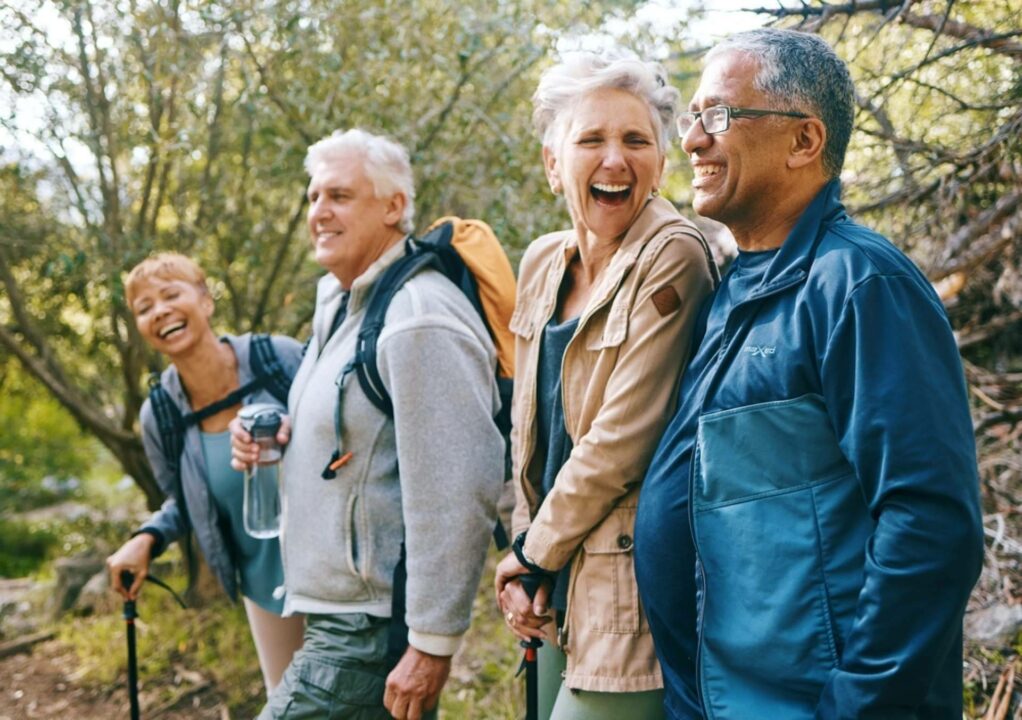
{"points": [[894, 388]]}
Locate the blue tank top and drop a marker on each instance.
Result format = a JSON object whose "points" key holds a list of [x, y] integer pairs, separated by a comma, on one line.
{"points": [[258, 561]]}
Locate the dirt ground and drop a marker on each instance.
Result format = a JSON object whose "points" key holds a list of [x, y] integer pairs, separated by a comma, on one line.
{"points": [[39, 683]]}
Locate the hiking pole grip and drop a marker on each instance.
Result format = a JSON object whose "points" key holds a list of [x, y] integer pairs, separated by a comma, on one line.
{"points": [[127, 578], [531, 583]]}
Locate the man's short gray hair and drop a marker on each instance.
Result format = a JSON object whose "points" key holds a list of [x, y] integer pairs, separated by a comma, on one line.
{"points": [[384, 161], [801, 72], [581, 73]]}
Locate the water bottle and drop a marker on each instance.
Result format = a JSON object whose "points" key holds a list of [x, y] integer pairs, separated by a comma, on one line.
{"points": [[261, 510]]}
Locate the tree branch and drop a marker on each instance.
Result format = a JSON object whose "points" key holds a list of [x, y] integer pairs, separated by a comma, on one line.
{"points": [[987, 331], [1005, 206], [998, 42], [90, 419], [264, 76], [283, 245]]}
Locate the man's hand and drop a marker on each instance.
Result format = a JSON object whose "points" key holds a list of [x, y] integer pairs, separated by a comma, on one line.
{"points": [[414, 685], [133, 556], [245, 452]]}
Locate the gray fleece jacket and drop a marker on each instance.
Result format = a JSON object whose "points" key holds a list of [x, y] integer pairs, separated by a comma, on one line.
{"points": [[430, 477]]}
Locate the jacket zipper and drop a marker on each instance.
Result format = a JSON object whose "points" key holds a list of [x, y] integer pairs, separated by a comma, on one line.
{"points": [[725, 349], [562, 632], [700, 579]]}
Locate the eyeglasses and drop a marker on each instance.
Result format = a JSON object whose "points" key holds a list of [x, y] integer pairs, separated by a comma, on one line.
{"points": [[717, 119]]}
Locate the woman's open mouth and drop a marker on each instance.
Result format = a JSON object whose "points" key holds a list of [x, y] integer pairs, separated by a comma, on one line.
{"points": [[172, 329], [610, 194]]}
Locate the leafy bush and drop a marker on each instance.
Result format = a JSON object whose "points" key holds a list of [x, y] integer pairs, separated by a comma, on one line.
{"points": [[39, 440], [24, 547]]}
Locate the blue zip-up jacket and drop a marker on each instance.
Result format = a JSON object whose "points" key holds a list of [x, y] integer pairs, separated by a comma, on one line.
{"points": [[824, 493]]}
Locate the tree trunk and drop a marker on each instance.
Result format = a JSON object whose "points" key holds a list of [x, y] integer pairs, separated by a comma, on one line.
{"points": [[132, 458]]}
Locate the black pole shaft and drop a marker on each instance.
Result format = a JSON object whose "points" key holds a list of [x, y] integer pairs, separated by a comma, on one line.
{"points": [[531, 688], [132, 660], [129, 620], [531, 583]]}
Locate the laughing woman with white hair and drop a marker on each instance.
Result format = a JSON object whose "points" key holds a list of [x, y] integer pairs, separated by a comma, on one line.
{"points": [[603, 327]]}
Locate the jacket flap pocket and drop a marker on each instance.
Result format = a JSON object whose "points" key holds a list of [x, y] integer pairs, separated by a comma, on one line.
{"points": [[614, 535], [615, 327], [523, 320]]}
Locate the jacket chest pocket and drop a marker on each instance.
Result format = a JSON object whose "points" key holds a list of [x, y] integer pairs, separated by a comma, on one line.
{"points": [[525, 319], [606, 575], [608, 327]]}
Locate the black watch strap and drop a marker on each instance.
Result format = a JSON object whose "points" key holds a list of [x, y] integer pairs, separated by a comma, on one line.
{"points": [[518, 548]]}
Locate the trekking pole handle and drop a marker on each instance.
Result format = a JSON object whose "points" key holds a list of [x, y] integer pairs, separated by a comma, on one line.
{"points": [[127, 578], [531, 583]]}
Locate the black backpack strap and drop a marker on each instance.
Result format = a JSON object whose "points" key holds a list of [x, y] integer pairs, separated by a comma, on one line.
{"points": [[383, 292], [233, 398], [267, 373], [170, 423], [265, 363], [450, 264]]}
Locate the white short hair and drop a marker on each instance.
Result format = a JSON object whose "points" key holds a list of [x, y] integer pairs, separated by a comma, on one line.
{"points": [[385, 163], [580, 73]]}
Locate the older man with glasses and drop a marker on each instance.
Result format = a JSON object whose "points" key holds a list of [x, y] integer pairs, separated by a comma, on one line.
{"points": [[809, 529]]}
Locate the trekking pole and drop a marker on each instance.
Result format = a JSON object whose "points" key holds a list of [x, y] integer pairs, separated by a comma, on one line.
{"points": [[127, 578], [531, 583]]}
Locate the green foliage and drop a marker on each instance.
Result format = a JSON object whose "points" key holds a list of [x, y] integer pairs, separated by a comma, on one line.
{"points": [[38, 439], [24, 548], [184, 127], [483, 683]]}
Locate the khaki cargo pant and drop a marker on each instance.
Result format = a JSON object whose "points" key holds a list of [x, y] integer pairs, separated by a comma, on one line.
{"points": [[339, 674]]}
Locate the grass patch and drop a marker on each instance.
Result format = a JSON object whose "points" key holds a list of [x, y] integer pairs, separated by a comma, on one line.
{"points": [[213, 641], [24, 547]]}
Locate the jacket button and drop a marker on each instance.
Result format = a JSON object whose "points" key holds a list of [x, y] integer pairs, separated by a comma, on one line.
{"points": [[624, 542]]}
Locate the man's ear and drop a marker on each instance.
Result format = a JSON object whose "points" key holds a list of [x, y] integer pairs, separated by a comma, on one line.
{"points": [[807, 143], [553, 176], [395, 209]]}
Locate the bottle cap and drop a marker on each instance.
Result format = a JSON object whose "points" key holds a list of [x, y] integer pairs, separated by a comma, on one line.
{"points": [[260, 420]]}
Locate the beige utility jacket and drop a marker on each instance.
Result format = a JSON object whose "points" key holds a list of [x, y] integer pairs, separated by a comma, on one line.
{"points": [[619, 382]]}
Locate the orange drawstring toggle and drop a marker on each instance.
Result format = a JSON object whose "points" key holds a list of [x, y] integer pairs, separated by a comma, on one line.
{"points": [[341, 461]]}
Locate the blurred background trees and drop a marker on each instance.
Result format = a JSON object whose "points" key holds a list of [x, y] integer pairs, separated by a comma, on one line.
{"points": [[132, 126]]}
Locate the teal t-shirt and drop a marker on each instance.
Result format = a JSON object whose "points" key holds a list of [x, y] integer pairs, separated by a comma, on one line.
{"points": [[258, 560]]}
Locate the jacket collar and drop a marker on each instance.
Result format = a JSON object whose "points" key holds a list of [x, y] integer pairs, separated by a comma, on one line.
{"points": [[330, 291], [795, 256], [657, 216]]}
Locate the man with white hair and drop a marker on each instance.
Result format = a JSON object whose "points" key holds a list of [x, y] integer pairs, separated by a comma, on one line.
{"points": [[420, 485], [809, 528]]}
